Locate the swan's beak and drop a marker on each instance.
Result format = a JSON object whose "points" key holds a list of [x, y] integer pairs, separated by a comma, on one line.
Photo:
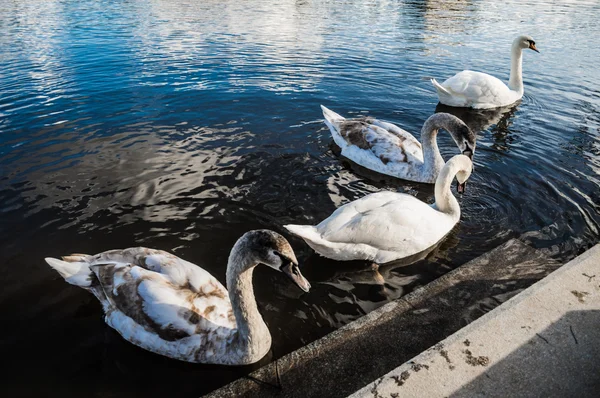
{"points": [[532, 46], [460, 188], [293, 272]]}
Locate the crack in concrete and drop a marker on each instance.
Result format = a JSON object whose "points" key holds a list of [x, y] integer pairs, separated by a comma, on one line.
{"points": [[573, 334], [590, 277], [543, 338]]}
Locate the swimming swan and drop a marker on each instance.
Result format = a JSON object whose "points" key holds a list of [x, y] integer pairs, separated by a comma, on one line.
{"points": [[387, 226], [480, 90], [387, 149], [172, 307]]}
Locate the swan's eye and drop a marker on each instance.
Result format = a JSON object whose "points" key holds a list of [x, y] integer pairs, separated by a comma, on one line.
{"points": [[284, 259], [277, 254]]}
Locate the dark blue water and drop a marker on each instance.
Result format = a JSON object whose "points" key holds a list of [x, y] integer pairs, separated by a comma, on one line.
{"points": [[180, 125]]}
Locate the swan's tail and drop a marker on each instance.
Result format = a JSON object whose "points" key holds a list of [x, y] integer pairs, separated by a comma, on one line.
{"points": [[74, 269], [332, 119], [440, 89], [312, 237], [306, 232]]}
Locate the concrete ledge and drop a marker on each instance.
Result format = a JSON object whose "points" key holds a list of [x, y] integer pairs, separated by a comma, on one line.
{"points": [[544, 342], [349, 358]]}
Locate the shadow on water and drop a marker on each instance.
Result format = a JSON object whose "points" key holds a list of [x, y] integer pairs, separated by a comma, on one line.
{"points": [[381, 180], [321, 269], [480, 120], [374, 283]]}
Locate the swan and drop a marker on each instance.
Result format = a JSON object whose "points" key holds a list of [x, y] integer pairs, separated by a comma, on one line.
{"points": [[174, 308], [387, 226], [387, 149], [482, 91]]}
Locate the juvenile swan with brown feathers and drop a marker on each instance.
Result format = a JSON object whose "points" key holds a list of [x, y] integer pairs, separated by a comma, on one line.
{"points": [[174, 308], [387, 149]]}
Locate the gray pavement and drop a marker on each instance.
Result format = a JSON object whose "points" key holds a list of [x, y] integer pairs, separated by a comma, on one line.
{"points": [[544, 342]]}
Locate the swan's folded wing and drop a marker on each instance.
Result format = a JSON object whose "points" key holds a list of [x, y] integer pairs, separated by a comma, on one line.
{"points": [[404, 135], [182, 309], [181, 273], [153, 302], [402, 222], [476, 85], [120, 283], [409, 146], [344, 214], [185, 274], [459, 83], [370, 140]]}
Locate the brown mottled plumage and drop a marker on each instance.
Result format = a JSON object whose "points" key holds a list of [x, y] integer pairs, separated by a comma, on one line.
{"points": [[356, 132], [390, 150], [172, 307]]}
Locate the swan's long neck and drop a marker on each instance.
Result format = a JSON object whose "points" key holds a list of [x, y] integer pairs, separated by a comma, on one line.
{"points": [[515, 82], [432, 159], [253, 335], [444, 200]]}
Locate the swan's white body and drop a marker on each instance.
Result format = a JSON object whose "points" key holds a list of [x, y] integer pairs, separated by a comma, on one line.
{"points": [[174, 308], [387, 149], [482, 91], [387, 226]]}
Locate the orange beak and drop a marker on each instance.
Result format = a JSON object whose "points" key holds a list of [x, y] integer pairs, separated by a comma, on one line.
{"points": [[532, 46]]}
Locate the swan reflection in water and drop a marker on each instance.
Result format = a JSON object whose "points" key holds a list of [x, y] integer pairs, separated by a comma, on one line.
{"points": [[480, 119], [370, 284]]}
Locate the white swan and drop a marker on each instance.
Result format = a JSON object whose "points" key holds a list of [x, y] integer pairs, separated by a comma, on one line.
{"points": [[390, 150], [172, 307], [386, 226], [480, 90]]}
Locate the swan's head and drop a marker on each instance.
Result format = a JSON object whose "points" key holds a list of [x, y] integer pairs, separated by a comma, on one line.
{"points": [[465, 167], [461, 133], [525, 42], [273, 250]]}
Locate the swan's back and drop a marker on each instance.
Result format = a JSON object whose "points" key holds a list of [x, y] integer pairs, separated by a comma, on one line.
{"points": [[377, 145], [387, 221], [476, 90]]}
